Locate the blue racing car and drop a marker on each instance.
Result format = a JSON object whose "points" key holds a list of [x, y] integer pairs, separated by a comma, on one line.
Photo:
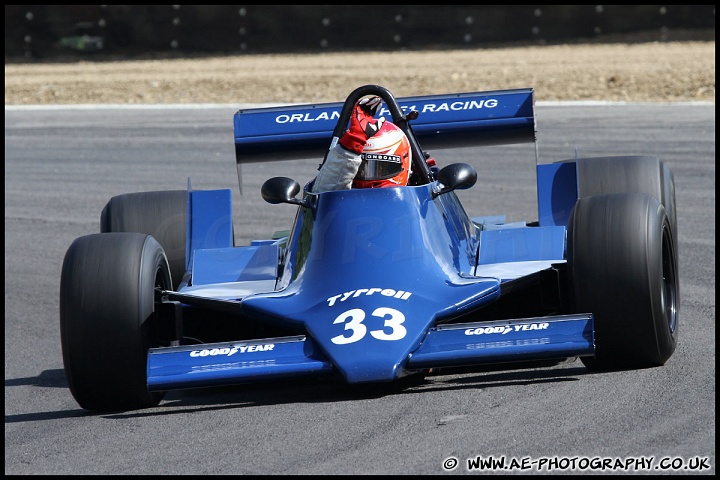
{"points": [[372, 286]]}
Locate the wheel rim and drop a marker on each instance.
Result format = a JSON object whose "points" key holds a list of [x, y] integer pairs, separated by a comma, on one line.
{"points": [[669, 293]]}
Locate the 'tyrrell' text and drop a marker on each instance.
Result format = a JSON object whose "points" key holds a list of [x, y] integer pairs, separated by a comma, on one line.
{"points": [[386, 292]]}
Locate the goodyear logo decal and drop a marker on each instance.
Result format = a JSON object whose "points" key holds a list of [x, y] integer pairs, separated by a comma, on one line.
{"points": [[504, 329], [230, 351]]}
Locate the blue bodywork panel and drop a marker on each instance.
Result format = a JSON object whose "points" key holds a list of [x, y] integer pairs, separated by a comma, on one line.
{"points": [[221, 265], [521, 244], [211, 225], [557, 190]]}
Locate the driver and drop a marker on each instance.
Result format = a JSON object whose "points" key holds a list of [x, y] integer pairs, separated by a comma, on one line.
{"points": [[370, 154]]}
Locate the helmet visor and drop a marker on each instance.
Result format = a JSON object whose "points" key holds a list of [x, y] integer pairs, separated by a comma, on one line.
{"points": [[376, 166]]}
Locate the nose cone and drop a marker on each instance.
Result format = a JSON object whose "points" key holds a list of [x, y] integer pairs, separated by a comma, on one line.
{"points": [[371, 273]]}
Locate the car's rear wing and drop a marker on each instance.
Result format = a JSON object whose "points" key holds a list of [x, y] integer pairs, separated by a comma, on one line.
{"points": [[443, 121]]}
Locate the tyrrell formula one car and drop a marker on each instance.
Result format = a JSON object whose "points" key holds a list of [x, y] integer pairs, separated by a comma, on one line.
{"points": [[371, 286]]}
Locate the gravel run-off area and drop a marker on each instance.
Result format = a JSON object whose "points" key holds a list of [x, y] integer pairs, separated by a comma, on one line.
{"points": [[673, 71]]}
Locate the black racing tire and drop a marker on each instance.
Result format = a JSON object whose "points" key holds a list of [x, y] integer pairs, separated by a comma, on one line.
{"points": [[107, 303], [668, 199], [628, 174], [162, 214], [622, 265]]}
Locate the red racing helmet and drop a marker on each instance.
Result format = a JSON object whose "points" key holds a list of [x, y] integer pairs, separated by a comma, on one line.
{"points": [[386, 159]]}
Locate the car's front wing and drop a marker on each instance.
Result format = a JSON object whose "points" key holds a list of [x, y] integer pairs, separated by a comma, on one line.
{"points": [[477, 343]]}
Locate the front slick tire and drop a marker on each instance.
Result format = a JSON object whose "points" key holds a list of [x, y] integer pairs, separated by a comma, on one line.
{"points": [[623, 269], [107, 292]]}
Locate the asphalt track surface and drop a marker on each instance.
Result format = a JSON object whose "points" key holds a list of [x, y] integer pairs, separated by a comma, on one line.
{"points": [[62, 166]]}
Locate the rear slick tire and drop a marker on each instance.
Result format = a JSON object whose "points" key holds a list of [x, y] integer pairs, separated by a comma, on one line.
{"points": [[622, 263], [162, 214], [107, 321]]}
